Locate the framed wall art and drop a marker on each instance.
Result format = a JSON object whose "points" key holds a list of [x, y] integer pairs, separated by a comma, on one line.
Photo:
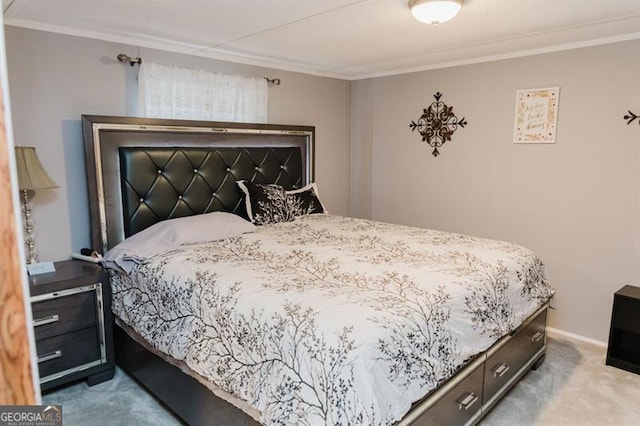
{"points": [[536, 115]]}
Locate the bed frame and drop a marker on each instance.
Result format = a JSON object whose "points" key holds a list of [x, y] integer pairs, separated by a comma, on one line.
{"points": [[141, 171]]}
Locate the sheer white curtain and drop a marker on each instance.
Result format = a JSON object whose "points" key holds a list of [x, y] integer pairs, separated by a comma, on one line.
{"points": [[174, 92]]}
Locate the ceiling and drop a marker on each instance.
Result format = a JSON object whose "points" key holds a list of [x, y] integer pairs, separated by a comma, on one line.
{"points": [[347, 39]]}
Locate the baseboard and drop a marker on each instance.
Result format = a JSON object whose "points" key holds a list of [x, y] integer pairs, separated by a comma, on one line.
{"points": [[574, 336]]}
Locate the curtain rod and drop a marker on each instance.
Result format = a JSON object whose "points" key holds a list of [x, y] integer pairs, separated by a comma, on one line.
{"points": [[126, 59], [274, 81]]}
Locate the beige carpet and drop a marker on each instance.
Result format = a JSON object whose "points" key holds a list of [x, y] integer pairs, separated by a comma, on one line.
{"points": [[572, 387]]}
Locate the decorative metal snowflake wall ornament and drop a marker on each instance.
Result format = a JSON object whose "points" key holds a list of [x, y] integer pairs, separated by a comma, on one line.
{"points": [[630, 117], [437, 124]]}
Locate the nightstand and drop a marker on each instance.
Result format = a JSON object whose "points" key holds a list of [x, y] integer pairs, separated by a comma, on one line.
{"points": [[72, 323], [624, 337]]}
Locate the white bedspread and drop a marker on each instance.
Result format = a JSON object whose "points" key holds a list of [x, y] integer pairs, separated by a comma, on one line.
{"points": [[331, 320]]}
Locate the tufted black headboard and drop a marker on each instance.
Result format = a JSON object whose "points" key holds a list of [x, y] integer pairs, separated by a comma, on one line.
{"points": [[141, 171]]}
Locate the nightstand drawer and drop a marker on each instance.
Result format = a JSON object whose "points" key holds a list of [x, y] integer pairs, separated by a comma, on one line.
{"points": [[60, 353], [64, 314]]}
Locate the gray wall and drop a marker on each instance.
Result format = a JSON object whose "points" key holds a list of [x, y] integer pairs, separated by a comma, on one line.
{"points": [[54, 78], [575, 203]]}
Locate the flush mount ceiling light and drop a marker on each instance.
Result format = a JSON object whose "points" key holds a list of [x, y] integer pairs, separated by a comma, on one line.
{"points": [[435, 11]]}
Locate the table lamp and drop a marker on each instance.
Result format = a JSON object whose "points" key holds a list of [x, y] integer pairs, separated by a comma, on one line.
{"points": [[31, 177]]}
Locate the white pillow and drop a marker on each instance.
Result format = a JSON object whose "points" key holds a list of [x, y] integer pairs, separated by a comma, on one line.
{"points": [[169, 234], [205, 227]]}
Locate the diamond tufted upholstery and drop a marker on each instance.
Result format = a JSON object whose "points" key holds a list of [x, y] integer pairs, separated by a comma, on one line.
{"points": [[143, 170], [164, 183]]}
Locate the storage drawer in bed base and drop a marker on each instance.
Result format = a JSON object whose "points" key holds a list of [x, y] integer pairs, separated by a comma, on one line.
{"points": [[488, 405], [490, 396], [458, 402]]}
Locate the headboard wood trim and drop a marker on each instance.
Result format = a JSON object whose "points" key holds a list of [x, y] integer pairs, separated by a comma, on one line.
{"points": [[104, 137]]}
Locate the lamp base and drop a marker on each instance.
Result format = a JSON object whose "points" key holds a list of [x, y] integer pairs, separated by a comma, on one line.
{"points": [[40, 268], [29, 240]]}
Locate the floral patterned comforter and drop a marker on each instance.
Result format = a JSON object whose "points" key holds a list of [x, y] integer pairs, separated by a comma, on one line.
{"points": [[331, 320]]}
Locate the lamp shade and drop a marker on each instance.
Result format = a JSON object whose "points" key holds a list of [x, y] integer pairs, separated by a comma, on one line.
{"points": [[435, 11], [31, 175]]}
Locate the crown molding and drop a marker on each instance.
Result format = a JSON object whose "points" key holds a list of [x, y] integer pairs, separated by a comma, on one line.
{"points": [[258, 61]]}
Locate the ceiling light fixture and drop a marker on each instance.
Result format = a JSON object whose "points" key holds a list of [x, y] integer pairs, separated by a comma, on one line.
{"points": [[435, 11]]}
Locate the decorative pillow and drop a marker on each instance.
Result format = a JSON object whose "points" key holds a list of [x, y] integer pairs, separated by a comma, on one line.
{"points": [[269, 203], [309, 198]]}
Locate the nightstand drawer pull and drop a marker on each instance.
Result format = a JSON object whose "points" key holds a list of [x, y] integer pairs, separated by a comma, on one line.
{"points": [[45, 320], [467, 401], [536, 337], [49, 356], [500, 370]]}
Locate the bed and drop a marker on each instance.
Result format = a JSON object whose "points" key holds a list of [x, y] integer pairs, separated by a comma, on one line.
{"points": [[319, 320]]}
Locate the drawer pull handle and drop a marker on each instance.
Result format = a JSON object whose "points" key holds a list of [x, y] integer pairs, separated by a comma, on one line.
{"points": [[536, 337], [500, 370], [49, 356], [46, 320], [467, 400]]}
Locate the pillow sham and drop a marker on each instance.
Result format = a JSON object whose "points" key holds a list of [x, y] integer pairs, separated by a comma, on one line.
{"points": [[169, 234], [206, 227], [309, 198], [270, 203]]}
